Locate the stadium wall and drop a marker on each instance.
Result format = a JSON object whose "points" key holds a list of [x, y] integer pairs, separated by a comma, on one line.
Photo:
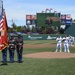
{"points": [[41, 37], [71, 30]]}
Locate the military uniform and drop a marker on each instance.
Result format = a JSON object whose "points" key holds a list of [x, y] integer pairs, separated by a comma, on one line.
{"points": [[4, 55], [19, 47], [11, 48]]}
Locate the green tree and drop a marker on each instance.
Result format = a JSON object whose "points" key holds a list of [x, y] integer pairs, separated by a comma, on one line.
{"points": [[19, 29], [14, 26]]}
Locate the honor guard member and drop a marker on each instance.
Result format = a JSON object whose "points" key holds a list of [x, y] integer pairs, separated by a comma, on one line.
{"points": [[19, 47], [4, 53], [4, 56], [11, 48]]}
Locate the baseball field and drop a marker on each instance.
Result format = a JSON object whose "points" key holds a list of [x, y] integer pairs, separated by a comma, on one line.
{"points": [[40, 58]]}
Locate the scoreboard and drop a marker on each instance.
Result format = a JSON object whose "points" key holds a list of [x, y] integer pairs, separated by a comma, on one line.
{"points": [[51, 19], [30, 19]]}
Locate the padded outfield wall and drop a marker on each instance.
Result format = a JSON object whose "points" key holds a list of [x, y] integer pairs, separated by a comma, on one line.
{"points": [[41, 37]]}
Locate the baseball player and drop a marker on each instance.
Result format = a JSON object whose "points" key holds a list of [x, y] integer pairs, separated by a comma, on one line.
{"points": [[70, 39], [59, 44], [72, 42], [66, 44]]}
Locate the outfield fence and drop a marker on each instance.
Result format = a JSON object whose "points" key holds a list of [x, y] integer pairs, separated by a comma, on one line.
{"points": [[41, 37]]}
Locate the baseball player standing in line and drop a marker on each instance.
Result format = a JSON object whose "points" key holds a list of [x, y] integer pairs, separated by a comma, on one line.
{"points": [[70, 39], [72, 42], [66, 44], [59, 44]]}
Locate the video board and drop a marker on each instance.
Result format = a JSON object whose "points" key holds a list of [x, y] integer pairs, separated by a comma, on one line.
{"points": [[30, 19], [51, 19]]}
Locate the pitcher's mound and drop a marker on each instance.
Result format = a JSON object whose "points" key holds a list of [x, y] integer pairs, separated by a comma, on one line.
{"points": [[50, 55]]}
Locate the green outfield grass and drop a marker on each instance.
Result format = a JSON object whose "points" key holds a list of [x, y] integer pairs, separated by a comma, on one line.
{"points": [[32, 66], [39, 41]]}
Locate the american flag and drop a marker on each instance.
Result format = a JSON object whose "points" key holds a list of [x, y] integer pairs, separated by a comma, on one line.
{"points": [[1, 15], [47, 9], [3, 28]]}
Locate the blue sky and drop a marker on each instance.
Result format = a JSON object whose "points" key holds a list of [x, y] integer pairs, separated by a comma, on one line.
{"points": [[17, 9]]}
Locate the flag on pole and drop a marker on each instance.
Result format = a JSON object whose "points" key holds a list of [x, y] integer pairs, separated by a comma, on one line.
{"points": [[50, 10], [46, 10], [55, 13], [42, 11], [3, 28]]}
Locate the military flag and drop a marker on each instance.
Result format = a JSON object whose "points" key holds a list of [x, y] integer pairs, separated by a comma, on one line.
{"points": [[3, 28]]}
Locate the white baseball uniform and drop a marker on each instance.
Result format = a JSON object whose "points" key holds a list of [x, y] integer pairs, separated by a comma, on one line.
{"points": [[66, 44], [59, 44], [70, 39]]}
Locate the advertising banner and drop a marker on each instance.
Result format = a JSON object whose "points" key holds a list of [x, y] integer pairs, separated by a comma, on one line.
{"points": [[30, 19]]}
